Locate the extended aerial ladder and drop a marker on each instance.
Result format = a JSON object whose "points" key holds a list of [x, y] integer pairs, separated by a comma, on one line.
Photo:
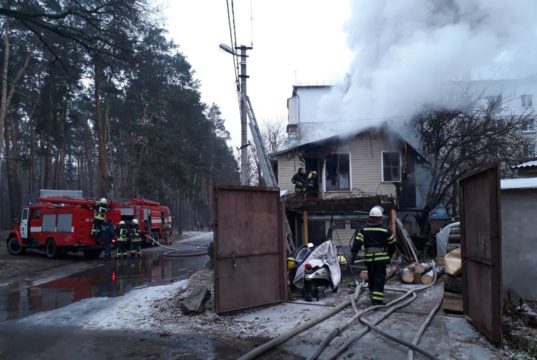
{"points": [[264, 162]]}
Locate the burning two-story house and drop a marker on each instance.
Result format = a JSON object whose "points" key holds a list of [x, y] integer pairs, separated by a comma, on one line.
{"points": [[356, 169]]}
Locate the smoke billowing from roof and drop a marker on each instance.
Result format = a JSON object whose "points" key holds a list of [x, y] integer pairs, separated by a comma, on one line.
{"points": [[406, 51]]}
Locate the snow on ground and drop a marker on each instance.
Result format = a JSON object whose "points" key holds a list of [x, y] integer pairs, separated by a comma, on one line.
{"points": [[131, 311]]}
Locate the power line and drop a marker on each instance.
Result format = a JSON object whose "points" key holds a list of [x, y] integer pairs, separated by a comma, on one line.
{"points": [[233, 42]]}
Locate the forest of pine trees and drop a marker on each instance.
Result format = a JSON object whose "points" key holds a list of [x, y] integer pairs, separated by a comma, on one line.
{"points": [[94, 97]]}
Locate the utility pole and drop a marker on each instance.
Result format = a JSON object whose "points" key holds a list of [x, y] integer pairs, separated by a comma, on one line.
{"points": [[245, 164]]}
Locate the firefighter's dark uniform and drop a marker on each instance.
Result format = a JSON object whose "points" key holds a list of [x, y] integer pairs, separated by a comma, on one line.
{"points": [[121, 246], [135, 241], [299, 179], [379, 245], [98, 220]]}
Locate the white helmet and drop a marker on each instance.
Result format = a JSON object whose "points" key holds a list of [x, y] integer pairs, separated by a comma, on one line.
{"points": [[122, 222], [135, 221], [103, 201], [376, 211]]}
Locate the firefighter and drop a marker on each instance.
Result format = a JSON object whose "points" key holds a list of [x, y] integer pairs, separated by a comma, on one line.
{"points": [[311, 183], [379, 246], [135, 239], [300, 180], [121, 250], [100, 214]]}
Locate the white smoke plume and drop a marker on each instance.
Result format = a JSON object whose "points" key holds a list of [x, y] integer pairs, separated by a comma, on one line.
{"points": [[405, 51]]}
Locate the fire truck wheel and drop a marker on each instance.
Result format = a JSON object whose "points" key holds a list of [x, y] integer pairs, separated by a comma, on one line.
{"points": [[51, 249], [13, 246]]}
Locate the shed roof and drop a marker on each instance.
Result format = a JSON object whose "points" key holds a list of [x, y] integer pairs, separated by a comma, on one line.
{"points": [[527, 164], [519, 184]]}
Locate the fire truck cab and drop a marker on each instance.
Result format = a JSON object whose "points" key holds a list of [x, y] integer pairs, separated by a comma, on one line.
{"points": [[56, 226]]}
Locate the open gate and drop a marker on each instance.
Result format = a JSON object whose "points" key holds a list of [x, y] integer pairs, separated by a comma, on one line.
{"points": [[481, 250], [249, 248]]}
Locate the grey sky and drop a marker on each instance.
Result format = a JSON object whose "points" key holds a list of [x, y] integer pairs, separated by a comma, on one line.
{"points": [[294, 41]]}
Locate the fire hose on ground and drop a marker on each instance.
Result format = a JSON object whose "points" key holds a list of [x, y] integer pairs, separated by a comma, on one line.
{"points": [[393, 304], [174, 252]]}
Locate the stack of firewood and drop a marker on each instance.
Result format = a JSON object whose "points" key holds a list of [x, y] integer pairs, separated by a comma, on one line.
{"points": [[420, 273]]}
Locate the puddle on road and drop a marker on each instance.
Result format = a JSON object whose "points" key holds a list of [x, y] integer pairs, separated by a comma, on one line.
{"points": [[112, 278]]}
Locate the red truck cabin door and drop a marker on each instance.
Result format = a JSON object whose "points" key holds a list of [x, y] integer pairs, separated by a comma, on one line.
{"points": [[24, 223]]}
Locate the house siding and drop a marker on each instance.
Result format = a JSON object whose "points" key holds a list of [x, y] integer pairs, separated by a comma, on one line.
{"points": [[288, 165], [366, 174]]}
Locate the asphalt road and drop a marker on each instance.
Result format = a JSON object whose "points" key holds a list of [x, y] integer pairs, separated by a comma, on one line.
{"points": [[33, 283]]}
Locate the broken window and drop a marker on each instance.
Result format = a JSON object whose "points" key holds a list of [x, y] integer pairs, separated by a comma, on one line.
{"points": [[337, 172], [391, 166], [527, 100]]}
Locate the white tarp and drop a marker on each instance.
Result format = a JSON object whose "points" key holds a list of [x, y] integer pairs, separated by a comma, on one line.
{"points": [[327, 253], [442, 238]]}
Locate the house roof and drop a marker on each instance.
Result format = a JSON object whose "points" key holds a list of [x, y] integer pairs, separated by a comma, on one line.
{"points": [[527, 164], [519, 184], [316, 132]]}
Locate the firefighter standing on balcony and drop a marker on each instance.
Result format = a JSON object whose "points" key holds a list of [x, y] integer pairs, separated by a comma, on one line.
{"points": [[100, 214], [379, 246], [299, 179], [121, 245], [135, 239]]}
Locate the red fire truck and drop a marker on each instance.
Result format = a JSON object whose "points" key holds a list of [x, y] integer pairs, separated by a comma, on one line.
{"points": [[57, 225], [154, 219]]}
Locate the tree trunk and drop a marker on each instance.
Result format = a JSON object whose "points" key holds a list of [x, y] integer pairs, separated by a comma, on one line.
{"points": [[3, 99], [101, 132]]}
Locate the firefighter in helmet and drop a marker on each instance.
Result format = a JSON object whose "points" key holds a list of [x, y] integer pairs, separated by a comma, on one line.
{"points": [[379, 246], [121, 248], [135, 239], [100, 210], [300, 179]]}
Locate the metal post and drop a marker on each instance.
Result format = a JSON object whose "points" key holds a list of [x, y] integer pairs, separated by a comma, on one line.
{"points": [[245, 165]]}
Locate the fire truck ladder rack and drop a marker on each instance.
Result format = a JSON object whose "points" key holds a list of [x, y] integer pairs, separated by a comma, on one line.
{"points": [[264, 162]]}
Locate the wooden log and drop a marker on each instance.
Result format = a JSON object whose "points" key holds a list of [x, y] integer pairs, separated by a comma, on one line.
{"points": [[364, 275], [417, 277], [422, 268], [407, 275], [428, 277], [439, 260]]}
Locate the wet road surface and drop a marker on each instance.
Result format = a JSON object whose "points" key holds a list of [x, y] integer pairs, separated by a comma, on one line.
{"points": [[85, 279]]}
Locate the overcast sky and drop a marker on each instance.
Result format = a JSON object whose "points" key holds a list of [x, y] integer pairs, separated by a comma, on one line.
{"points": [[294, 41]]}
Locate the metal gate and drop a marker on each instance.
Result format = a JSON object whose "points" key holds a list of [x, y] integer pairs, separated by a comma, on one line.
{"points": [[481, 250], [248, 248]]}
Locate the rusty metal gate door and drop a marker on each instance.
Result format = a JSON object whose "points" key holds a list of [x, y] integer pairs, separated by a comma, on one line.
{"points": [[248, 248], [481, 250]]}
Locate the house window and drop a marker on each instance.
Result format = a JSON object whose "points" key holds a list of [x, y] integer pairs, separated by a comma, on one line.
{"points": [[527, 100], [337, 172], [529, 125], [391, 166]]}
